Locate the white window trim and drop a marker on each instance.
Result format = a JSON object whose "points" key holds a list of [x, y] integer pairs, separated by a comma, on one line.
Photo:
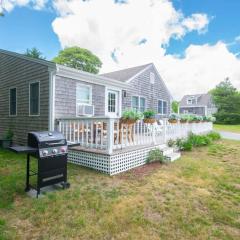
{"points": [[138, 96], [152, 78], [90, 95], [39, 99], [10, 115], [162, 107], [191, 99]]}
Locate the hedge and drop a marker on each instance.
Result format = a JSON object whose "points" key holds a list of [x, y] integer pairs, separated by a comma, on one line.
{"points": [[227, 118]]}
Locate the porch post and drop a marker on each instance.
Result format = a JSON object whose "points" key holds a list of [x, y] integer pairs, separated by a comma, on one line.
{"points": [[165, 130], [110, 135]]}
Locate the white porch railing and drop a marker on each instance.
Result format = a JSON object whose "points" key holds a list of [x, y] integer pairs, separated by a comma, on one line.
{"points": [[109, 133]]}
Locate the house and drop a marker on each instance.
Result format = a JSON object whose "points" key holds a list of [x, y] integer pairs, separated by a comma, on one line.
{"points": [[199, 104], [35, 93]]}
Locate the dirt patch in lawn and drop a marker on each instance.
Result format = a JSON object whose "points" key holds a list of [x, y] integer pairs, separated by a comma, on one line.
{"points": [[141, 172]]}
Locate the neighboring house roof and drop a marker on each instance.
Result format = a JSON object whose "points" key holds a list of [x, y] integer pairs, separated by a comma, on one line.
{"points": [[202, 100], [126, 74]]}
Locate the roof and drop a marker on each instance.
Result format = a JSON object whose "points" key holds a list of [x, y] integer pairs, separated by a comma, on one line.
{"points": [[202, 100], [36, 60], [127, 73]]}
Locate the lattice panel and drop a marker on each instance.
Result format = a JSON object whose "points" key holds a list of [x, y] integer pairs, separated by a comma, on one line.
{"points": [[110, 164], [124, 161], [92, 160]]}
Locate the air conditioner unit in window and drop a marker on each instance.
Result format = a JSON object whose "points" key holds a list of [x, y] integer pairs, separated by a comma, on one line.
{"points": [[85, 110]]}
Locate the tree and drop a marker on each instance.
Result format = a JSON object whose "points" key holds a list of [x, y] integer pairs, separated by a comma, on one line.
{"points": [[34, 53], [227, 100], [79, 58], [175, 106]]}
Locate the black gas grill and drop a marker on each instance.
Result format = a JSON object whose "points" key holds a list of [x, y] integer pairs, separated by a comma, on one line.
{"points": [[50, 149]]}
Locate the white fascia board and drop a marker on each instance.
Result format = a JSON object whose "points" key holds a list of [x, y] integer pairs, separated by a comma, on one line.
{"points": [[193, 106], [67, 72]]}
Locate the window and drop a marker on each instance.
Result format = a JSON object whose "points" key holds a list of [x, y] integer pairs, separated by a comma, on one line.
{"points": [[138, 103], [34, 99], [192, 100], [162, 107], [84, 94], [112, 102], [152, 78], [13, 102]]}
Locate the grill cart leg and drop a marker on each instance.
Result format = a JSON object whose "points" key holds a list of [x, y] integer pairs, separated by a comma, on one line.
{"points": [[65, 185], [27, 174]]}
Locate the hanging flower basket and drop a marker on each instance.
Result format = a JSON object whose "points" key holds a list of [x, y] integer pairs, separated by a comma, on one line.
{"points": [[183, 121], [172, 121], [149, 120], [128, 121]]}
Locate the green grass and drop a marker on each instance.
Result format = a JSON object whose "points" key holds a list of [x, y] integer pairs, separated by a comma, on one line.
{"points": [[196, 197], [228, 128]]}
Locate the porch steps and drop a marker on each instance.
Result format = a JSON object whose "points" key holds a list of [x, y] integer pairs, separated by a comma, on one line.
{"points": [[173, 156], [169, 153]]}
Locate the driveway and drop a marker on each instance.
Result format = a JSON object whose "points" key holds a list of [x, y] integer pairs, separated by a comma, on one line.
{"points": [[230, 135]]}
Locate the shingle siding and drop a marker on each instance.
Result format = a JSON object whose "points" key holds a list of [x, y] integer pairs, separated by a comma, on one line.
{"points": [[17, 72], [65, 97], [141, 86]]}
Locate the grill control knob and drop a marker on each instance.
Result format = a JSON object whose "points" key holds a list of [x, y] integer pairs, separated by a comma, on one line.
{"points": [[45, 152], [54, 151], [63, 150]]}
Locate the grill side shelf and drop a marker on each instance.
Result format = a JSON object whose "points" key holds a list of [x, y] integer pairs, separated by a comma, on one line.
{"points": [[23, 149]]}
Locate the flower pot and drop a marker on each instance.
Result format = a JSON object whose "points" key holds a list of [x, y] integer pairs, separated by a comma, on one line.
{"points": [[5, 143], [183, 121], [149, 120], [172, 120], [128, 121]]}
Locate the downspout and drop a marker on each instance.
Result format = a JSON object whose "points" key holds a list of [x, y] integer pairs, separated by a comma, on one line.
{"points": [[51, 114]]}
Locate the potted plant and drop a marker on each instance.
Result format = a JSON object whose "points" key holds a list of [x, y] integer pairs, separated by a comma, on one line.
{"points": [[6, 142], [149, 116], [130, 117], [173, 118], [184, 118], [196, 119]]}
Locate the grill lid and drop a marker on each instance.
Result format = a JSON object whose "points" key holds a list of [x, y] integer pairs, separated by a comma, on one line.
{"points": [[46, 136]]}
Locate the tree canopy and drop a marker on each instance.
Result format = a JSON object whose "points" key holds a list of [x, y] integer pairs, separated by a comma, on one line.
{"points": [[34, 53], [79, 58], [175, 105], [227, 100]]}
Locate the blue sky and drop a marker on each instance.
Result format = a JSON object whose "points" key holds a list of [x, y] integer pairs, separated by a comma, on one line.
{"points": [[194, 44], [25, 27]]}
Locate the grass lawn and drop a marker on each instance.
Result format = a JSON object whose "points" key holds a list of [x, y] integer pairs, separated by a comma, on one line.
{"points": [[228, 128], [196, 197]]}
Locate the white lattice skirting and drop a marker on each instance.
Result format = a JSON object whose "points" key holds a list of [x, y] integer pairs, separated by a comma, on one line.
{"points": [[110, 164]]}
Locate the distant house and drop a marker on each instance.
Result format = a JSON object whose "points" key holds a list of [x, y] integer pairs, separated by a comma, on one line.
{"points": [[199, 104]]}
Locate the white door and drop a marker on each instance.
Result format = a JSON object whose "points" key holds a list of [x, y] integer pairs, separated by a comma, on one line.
{"points": [[112, 103]]}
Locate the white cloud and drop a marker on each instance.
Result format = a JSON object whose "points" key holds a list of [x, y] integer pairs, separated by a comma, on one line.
{"points": [[105, 27], [9, 5]]}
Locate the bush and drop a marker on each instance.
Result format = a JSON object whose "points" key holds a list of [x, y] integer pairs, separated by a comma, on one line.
{"points": [[173, 116], [199, 140], [184, 145], [214, 136], [227, 118], [171, 142], [155, 155]]}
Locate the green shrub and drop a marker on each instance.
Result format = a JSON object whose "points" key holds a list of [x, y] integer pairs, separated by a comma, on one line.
{"points": [[171, 142], [199, 140], [155, 155], [149, 114], [214, 136], [227, 118], [9, 135], [184, 145], [173, 116]]}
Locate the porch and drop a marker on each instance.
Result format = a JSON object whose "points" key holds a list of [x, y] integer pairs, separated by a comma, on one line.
{"points": [[108, 135], [108, 145]]}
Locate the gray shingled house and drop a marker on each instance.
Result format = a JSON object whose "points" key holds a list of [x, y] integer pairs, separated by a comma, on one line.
{"points": [[34, 93], [199, 104]]}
